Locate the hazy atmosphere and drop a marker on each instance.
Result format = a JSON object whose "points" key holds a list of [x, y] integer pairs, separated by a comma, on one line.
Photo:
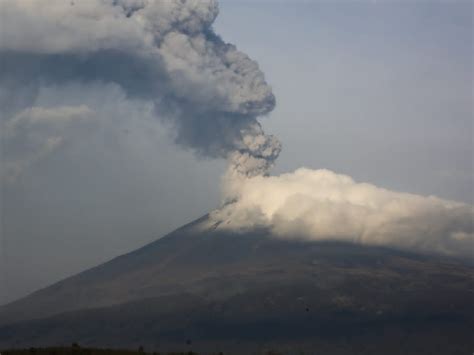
{"points": [[97, 160]]}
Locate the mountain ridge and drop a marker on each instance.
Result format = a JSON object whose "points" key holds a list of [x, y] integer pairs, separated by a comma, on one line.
{"points": [[215, 286]]}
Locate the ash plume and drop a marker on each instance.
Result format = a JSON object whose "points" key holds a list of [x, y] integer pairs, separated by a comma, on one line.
{"points": [[165, 52], [70, 66]]}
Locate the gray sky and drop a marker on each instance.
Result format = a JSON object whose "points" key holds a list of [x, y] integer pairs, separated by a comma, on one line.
{"points": [[381, 92]]}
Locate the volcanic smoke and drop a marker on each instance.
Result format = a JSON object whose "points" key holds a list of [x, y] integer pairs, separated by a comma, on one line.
{"points": [[165, 53]]}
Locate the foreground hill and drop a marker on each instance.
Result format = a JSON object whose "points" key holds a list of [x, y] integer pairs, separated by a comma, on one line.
{"points": [[202, 289]]}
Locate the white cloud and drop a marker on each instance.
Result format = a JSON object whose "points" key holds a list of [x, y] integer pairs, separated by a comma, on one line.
{"points": [[34, 133], [323, 205], [63, 114]]}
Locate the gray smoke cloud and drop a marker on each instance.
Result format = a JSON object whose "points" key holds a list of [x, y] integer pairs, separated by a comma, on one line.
{"points": [[165, 52]]}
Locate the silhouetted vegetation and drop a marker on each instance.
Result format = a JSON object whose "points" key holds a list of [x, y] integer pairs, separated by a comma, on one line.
{"points": [[75, 349]]}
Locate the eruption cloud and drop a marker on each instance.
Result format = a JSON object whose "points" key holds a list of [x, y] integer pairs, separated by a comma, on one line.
{"points": [[165, 56], [322, 205], [165, 52]]}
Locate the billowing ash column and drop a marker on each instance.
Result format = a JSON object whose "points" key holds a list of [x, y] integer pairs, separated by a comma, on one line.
{"points": [[165, 52]]}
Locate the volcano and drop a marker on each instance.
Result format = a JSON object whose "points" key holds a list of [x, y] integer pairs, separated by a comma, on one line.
{"points": [[203, 289]]}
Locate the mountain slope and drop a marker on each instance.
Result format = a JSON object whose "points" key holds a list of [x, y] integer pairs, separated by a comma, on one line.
{"points": [[218, 288]]}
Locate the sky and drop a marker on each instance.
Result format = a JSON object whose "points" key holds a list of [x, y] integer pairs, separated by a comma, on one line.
{"points": [[379, 91]]}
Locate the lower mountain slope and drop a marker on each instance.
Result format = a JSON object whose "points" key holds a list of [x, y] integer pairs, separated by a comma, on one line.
{"points": [[209, 290]]}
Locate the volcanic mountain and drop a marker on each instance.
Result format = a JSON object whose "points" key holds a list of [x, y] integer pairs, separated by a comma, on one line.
{"points": [[203, 289]]}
